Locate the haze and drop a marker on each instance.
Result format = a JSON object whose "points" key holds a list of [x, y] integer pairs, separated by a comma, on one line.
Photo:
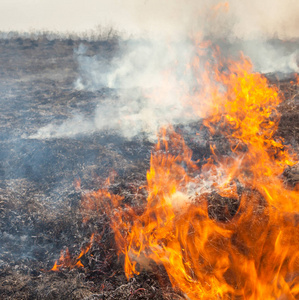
{"points": [[246, 19]]}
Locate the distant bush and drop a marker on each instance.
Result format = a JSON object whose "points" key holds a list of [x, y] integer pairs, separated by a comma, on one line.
{"points": [[99, 33]]}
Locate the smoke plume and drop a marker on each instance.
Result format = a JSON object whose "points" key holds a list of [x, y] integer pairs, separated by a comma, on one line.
{"points": [[149, 73]]}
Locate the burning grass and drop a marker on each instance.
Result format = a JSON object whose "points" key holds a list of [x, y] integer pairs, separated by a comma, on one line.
{"points": [[236, 241], [174, 237]]}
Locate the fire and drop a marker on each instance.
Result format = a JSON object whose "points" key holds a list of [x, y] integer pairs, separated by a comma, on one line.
{"points": [[225, 228], [221, 5], [66, 260], [228, 228]]}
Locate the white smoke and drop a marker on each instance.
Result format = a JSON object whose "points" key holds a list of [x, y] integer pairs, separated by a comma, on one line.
{"points": [[150, 74], [149, 79], [139, 63], [271, 58]]}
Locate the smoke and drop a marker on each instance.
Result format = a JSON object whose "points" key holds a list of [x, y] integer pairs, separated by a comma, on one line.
{"points": [[149, 74], [272, 57], [148, 79]]}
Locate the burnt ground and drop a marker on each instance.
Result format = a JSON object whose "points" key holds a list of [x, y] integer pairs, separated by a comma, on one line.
{"points": [[39, 205]]}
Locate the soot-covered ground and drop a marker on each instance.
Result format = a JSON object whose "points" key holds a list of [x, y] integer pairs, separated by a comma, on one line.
{"points": [[39, 205]]}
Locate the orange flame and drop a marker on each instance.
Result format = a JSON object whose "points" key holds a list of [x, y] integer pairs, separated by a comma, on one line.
{"points": [[77, 184], [221, 5], [227, 229], [67, 262]]}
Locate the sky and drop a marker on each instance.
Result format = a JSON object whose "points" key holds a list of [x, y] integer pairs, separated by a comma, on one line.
{"points": [[247, 17]]}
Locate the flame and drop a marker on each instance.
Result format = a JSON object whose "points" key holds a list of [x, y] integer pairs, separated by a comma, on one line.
{"points": [[77, 184], [221, 5], [226, 228], [67, 262]]}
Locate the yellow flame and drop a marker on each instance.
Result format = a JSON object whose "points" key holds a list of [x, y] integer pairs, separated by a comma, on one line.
{"points": [[254, 254]]}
